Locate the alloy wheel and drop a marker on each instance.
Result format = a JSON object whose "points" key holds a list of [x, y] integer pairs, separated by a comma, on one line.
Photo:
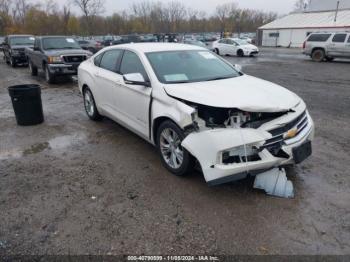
{"points": [[170, 147]]}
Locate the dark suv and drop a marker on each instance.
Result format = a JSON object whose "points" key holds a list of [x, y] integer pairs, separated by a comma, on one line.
{"points": [[14, 48]]}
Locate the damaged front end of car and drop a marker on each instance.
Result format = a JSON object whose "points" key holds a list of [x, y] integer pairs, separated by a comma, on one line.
{"points": [[231, 143]]}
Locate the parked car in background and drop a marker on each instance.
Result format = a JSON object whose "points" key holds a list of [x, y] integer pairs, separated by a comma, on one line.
{"points": [[247, 39], [193, 105], [14, 48], [90, 45], [327, 46], [56, 56], [234, 46], [195, 42], [2, 40]]}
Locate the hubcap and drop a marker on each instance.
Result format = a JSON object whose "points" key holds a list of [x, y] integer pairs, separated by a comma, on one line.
{"points": [[170, 147], [89, 103]]}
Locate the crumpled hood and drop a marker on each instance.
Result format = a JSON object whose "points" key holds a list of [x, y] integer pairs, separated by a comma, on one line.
{"points": [[59, 52], [246, 93]]}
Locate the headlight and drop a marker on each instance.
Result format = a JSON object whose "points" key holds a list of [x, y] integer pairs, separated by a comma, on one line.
{"points": [[54, 59]]}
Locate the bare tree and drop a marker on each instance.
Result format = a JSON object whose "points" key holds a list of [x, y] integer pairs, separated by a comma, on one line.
{"points": [[90, 9], [19, 10], [224, 12], [5, 6], [300, 5]]}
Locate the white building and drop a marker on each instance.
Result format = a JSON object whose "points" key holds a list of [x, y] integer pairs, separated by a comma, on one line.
{"points": [[292, 30], [326, 5]]}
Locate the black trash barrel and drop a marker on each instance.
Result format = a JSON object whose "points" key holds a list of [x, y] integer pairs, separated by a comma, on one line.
{"points": [[26, 101]]}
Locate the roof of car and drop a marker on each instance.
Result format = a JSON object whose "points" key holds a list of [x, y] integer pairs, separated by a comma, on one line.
{"points": [[18, 35], [157, 47]]}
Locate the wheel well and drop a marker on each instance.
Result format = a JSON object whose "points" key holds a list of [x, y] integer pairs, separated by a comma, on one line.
{"points": [[239, 50], [156, 124], [318, 48], [84, 87]]}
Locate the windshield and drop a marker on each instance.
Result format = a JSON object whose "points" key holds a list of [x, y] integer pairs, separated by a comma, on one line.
{"points": [[23, 40], [60, 43], [173, 67], [241, 42]]}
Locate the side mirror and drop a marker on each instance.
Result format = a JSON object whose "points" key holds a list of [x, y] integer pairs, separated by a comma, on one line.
{"points": [[36, 48], [238, 67], [136, 79]]}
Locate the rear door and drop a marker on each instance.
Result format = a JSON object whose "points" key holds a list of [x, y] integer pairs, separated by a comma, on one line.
{"points": [[337, 45], [107, 81]]}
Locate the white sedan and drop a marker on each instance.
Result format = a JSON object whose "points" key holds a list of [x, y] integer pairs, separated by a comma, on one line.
{"points": [[195, 106], [234, 46]]}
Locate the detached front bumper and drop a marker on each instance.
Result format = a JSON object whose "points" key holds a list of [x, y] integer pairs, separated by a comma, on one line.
{"points": [[227, 155], [63, 69]]}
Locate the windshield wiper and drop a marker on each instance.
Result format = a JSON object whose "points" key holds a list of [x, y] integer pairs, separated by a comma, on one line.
{"points": [[219, 78], [179, 82]]}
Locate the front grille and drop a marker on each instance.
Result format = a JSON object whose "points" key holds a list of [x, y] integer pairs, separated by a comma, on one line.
{"points": [[275, 143], [74, 58]]}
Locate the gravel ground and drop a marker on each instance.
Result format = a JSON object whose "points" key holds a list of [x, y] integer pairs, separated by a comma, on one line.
{"points": [[72, 186]]}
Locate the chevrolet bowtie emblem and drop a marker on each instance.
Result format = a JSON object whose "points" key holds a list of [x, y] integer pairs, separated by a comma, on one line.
{"points": [[291, 133]]}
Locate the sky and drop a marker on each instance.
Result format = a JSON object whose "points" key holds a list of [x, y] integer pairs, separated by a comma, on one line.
{"points": [[279, 6]]}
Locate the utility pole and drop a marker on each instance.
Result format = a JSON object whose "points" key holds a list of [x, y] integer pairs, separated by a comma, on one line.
{"points": [[336, 12]]}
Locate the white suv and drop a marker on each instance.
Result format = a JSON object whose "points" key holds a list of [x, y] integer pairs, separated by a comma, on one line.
{"points": [[327, 46]]}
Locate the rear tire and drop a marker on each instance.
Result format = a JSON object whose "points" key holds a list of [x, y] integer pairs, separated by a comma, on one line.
{"points": [[174, 157], [318, 55], [90, 105]]}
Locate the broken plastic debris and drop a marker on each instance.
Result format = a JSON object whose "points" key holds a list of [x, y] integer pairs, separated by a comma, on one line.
{"points": [[275, 183]]}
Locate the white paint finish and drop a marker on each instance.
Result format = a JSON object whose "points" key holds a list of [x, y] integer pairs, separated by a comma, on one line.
{"points": [[292, 37], [129, 105], [245, 92], [232, 47], [310, 20]]}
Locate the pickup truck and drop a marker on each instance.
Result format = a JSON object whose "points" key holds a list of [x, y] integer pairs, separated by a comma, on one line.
{"points": [[13, 48], [56, 56]]}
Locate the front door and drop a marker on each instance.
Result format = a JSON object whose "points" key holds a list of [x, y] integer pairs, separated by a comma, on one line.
{"points": [[134, 100], [337, 45]]}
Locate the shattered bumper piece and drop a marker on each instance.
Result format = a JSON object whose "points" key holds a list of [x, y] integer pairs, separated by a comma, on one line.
{"points": [[227, 155], [275, 183]]}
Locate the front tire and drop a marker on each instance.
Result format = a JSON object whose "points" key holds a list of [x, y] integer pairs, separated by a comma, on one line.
{"points": [[216, 50], [50, 79], [240, 53], [33, 70], [12, 62], [90, 105], [174, 157]]}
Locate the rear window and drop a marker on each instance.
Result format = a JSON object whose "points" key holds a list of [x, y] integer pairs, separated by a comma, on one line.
{"points": [[318, 37], [339, 38]]}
